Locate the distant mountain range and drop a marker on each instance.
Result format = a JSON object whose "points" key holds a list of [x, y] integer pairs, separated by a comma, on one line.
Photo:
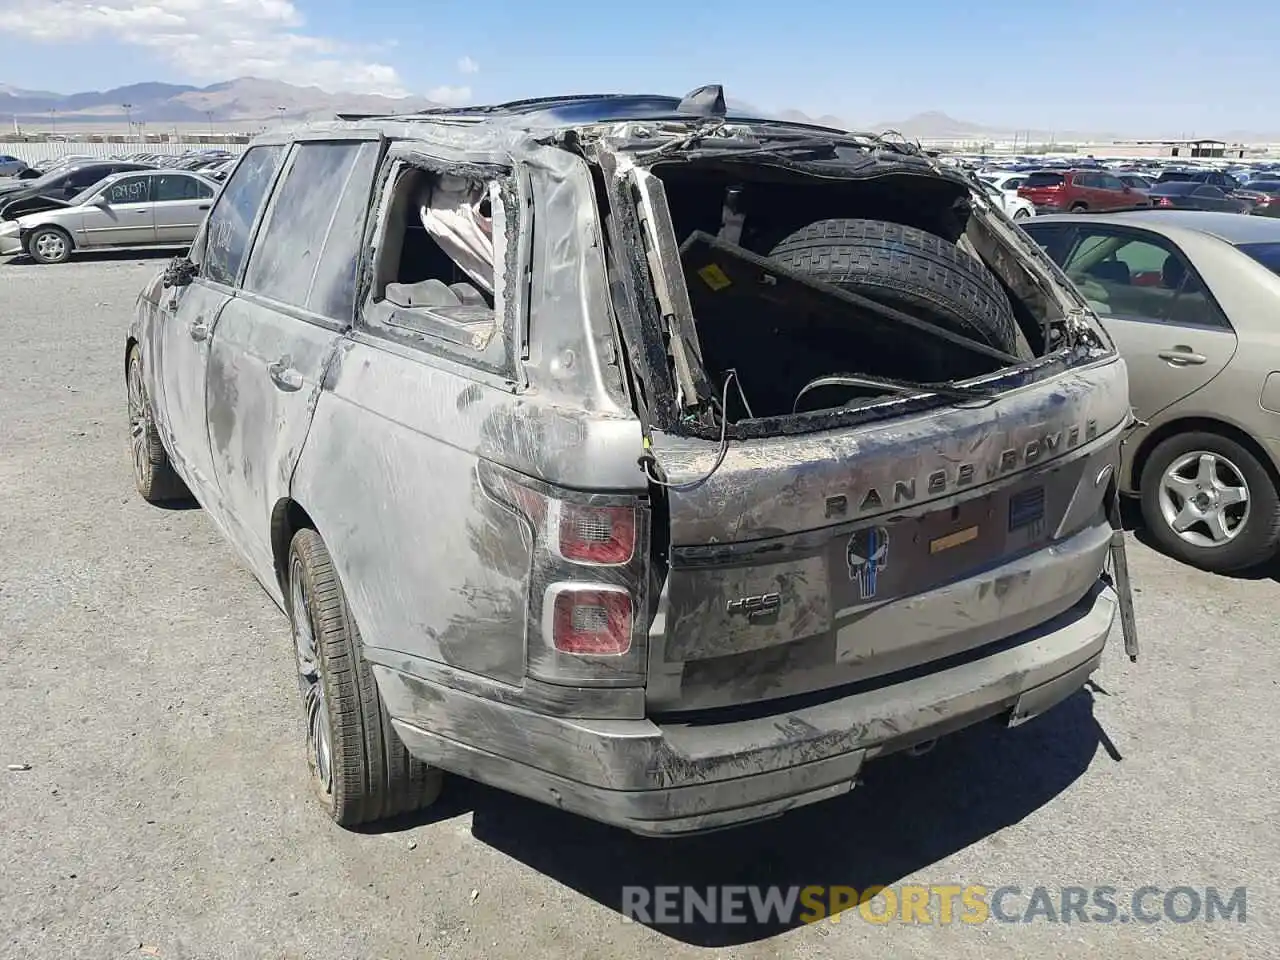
{"points": [[250, 101], [247, 99]]}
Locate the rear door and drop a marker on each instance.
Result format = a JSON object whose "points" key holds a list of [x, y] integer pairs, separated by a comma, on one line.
{"points": [[1164, 320], [181, 203], [189, 317], [276, 336]]}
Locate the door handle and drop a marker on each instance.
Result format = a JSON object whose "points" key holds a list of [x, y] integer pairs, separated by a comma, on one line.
{"points": [[1181, 356], [199, 330], [203, 206], [283, 375]]}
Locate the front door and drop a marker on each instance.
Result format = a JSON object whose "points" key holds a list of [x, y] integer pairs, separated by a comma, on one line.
{"points": [[190, 316], [181, 204], [186, 321], [121, 214], [1164, 320]]}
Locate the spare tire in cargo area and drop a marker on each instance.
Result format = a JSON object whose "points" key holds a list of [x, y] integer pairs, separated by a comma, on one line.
{"points": [[916, 272]]}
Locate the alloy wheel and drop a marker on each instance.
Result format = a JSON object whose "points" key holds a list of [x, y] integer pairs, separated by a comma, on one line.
{"points": [[1204, 498]]}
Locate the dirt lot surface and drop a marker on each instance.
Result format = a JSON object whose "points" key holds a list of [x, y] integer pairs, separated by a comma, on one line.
{"points": [[147, 682]]}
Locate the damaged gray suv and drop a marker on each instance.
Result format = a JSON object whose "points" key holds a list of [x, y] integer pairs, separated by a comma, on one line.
{"points": [[655, 463]]}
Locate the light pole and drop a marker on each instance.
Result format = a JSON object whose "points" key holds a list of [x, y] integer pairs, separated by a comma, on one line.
{"points": [[53, 119], [209, 114], [281, 110], [128, 120]]}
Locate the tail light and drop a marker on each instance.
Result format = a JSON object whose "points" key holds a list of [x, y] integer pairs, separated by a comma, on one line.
{"points": [[1163, 202], [596, 535], [587, 579], [589, 620]]}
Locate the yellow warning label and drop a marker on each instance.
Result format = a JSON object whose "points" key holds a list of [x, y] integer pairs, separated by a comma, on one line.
{"points": [[714, 277], [953, 539]]}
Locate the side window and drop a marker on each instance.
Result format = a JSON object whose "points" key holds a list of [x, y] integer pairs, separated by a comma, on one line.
{"points": [[86, 177], [1208, 191], [291, 244], [333, 291], [441, 259], [129, 190], [1112, 183], [1139, 278], [172, 186], [232, 218]]}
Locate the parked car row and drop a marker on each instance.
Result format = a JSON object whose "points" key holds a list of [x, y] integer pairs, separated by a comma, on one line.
{"points": [[90, 204], [1089, 186]]}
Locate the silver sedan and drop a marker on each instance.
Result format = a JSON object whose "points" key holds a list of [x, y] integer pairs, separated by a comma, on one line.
{"points": [[1191, 299], [153, 208]]}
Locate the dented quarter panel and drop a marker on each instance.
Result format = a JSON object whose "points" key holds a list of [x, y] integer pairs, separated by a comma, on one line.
{"points": [[434, 566]]}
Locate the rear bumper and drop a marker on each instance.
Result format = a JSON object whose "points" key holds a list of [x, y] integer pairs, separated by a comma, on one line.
{"points": [[672, 777]]}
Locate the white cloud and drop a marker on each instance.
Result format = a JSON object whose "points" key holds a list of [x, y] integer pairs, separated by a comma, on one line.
{"points": [[209, 40], [467, 65], [450, 96]]}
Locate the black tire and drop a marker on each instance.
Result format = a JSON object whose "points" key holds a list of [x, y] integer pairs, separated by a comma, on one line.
{"points": [[1258, 538], [910, 270], [371, 774], [1079, 208], [49, 245], [153, 472], [1022, 214]]}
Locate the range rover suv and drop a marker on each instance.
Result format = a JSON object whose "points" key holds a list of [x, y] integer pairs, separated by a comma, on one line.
{"points": [[653, 462]]}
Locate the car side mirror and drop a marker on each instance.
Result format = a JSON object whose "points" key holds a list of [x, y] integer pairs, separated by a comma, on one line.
{"points": [[101, 201], [179, 272]]}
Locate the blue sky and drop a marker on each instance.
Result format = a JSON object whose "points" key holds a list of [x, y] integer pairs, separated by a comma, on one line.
{"points": [[1136, 66]]}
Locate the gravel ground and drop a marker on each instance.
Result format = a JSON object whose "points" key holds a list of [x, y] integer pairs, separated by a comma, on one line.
{"points": [[147, 681]]}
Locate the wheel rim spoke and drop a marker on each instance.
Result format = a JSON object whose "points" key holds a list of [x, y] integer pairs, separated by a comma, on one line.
{"points": [[1204, 498]]}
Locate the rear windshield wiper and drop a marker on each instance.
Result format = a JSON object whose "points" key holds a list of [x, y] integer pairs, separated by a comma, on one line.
{"points": [[904, 387]]}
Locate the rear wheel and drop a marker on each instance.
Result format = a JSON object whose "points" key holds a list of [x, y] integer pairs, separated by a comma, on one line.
{"points": [[359, 766], [1079, 208], [911, 270], [1022, 213], [49, 245], [1209, 502]]}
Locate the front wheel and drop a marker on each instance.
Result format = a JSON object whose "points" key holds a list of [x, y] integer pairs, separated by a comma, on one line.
{"points": [[153, 473], [49, 245], [1209, 502], [360, 769]]}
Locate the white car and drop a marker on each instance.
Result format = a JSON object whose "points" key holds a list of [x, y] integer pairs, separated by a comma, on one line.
{"points": [[1015, 206], [1006, 181]]}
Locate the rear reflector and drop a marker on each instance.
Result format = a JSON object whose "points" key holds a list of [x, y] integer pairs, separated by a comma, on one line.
{"points": [[592, 621], [601, 535]]}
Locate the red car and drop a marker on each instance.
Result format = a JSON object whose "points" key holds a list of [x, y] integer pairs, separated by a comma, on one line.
{"points": [[1075, 191]]}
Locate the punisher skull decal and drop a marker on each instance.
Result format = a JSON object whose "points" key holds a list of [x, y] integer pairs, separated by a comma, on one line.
{"points": [[867, 554]]}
